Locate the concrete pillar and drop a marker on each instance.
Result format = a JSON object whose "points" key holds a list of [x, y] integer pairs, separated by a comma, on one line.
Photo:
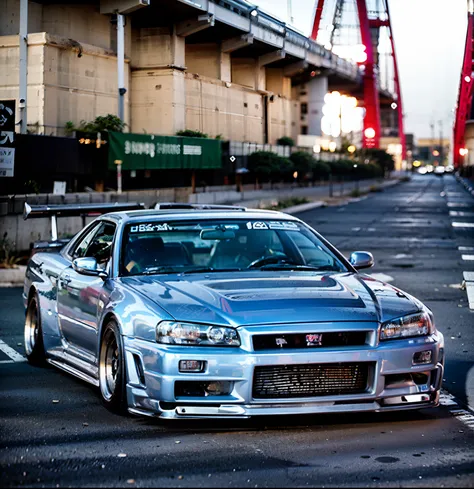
{"points": [[317, 89], [204, 59], [158, 97], [277, 83], [244, 72], [225, 67]]}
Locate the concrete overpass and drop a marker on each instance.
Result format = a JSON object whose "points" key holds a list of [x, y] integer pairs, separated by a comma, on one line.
{"points": [[222, 67]]}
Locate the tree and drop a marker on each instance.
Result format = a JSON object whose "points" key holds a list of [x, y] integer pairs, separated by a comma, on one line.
{"points": [[105, 123], [378, 156], [285, 141], [268, 165], [302, 162]]}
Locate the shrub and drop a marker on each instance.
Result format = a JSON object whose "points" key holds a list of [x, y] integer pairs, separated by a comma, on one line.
{"points": [[285, 141], [289, 202], [355, 193], [320, 170], [378, 156], [189, 133], [108, 122], [7, 257], [302, 162], [368, 170], [341, 167], [268, 164]]}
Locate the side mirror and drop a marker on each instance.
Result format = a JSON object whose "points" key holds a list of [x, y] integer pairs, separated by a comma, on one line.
{"points": [[362, 259], [88, 266]]}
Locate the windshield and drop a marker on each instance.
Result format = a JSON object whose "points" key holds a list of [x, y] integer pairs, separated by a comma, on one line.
{"points": [[152, 247]]}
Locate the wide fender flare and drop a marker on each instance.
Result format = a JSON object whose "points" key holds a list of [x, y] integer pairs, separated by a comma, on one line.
{"points": [[135, 315]]}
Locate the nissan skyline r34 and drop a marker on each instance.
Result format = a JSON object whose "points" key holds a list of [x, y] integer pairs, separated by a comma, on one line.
{"points": [[212, 311]]}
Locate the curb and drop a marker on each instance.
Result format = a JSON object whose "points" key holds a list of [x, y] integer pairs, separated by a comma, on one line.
{"points": [[343, 200], [12, 277], [304, 207]]}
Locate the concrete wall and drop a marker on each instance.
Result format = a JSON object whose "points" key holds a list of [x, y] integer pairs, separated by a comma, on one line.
{"points": [[157, 101], [235, 112], [9, 74], [244, 72], [156, 47], [10, 17], [172, 85], [61, 86], [203, 59]]}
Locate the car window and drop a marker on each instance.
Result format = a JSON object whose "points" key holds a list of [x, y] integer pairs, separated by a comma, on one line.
{"points": [[80, 249], [245, 245], [313, 253], [100, 246]]}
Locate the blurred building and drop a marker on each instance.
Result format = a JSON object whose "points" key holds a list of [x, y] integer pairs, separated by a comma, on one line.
{"points": [[432, 151]]}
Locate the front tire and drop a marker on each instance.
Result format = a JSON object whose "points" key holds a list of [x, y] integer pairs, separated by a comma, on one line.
{"points": [[112, 380], [34, 345]]}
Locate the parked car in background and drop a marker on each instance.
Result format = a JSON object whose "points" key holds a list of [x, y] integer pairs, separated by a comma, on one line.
{"points": [[206, 311]]}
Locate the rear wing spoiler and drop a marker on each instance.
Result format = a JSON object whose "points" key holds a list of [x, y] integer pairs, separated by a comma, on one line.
{"points": [[84, 210]]}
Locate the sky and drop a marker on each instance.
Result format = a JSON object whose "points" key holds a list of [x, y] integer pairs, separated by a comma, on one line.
{"points": [[429, 42]]}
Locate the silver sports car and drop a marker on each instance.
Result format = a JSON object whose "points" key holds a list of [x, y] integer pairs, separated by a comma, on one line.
{"points": [[212, 311]]}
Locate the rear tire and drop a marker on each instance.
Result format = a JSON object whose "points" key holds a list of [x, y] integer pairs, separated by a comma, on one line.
{"points": [[112, 376], [34, 345]]}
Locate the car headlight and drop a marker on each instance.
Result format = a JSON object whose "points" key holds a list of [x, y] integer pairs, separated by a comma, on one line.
{"points": [[178, 333], [419, 324]]}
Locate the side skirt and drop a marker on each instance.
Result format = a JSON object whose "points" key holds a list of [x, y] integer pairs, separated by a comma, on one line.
{"points": [[77, 373]]}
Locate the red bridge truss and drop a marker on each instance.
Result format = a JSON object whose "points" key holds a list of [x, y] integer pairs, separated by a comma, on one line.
{"points": [[370, 21], [464, 102]]}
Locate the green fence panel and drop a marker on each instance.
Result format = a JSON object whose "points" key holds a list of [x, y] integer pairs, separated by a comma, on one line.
{"points": [[149, 152]]}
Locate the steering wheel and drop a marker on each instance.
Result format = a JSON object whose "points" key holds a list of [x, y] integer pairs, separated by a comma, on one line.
{"points": [[263, 260]]}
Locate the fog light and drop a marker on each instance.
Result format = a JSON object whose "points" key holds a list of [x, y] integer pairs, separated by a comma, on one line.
{"points": [[421, 357], [219, 388], [191, 366]]}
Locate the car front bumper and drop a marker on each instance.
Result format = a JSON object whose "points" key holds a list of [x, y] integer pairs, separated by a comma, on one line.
{"points": [[394, 382]]}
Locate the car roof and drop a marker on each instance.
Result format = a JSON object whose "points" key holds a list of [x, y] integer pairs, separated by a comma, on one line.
{"points": [[182, 214]]}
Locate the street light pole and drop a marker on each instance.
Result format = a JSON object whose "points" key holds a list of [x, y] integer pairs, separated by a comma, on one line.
{"points": [[23, 82], [119, 175], [120, 65]]}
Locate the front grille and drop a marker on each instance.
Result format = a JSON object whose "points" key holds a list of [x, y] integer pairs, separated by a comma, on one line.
{"points": [[308, 380], [309, 340]]}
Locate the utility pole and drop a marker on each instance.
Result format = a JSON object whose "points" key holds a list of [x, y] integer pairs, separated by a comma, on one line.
{"points": [[441, 149], [432, 142], [23, 82], [290, 12], [121, 65]]}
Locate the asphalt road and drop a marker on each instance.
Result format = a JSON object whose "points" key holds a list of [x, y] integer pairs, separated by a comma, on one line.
{"points": [[54, 431]]}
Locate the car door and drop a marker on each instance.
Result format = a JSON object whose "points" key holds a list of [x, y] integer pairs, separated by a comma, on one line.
{"points": [[79, 295]]}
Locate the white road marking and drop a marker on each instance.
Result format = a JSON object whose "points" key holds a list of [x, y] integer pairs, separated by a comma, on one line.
{"points": [[467, 257], [466, 417], [470, 294], [466, 248], [13, 354], [459, 204], [355, 229], [462, 225], [468, 276], [461, 214], [382, 277]]}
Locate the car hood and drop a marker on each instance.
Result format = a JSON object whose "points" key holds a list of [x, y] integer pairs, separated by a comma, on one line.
{"points": [[274, 297]]}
